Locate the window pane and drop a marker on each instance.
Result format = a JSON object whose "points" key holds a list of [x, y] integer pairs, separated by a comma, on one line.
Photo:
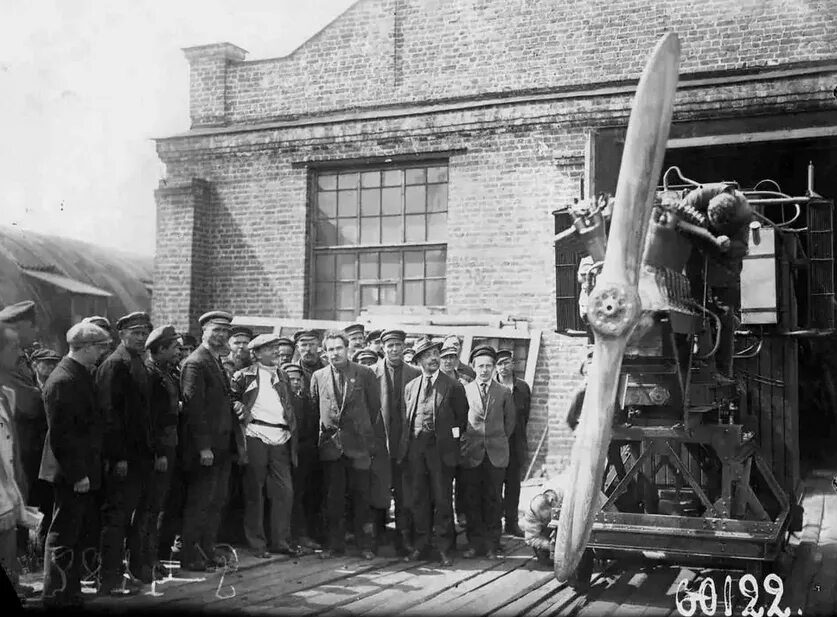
{"points": [[327, 181], [370, 230], [392, 177], [415, 176], [413, 264], [370, 178], [391, 230], [346, 264], [391, 201], [388, 294], [347, 231], [370, 202], [347, 180], [345, 295], [346, 315], [435, 263], [437, 197], [347, 203], [324, 270], [415, 228], [327, 205], [437, 174], [326, 234], [368, 295], [390, 266], [321, 313], [415, 199], [437, 227], [368, 265], [324, 295], [435, 293], [414, 292]]}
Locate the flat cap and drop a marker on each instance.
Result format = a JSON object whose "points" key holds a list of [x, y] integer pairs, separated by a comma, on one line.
{"points": [[138, 319], [365, 356], [306, 335], [86, 334], [102, 322], [161, 335], [484, 350], [20, 311], [448, 350], [239, 330], [221, 318], [425, 344], [388, 335], [355, 328], [188, 340], [290, 367], [464, 369], [374, 335], [284, 340], [263, 339], [504, 354], [45, 355]]}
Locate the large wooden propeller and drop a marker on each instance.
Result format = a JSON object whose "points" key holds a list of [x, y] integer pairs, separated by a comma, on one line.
{"points": [[614, 307]]}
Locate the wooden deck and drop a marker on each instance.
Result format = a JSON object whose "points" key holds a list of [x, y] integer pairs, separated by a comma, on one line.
{"points": [[516, 585]]}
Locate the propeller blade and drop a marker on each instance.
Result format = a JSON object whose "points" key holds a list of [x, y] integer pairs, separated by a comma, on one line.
{"points": [[614, 306]]}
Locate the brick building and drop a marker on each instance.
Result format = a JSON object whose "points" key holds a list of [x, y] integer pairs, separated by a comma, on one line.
{"points": [[412, 151]]}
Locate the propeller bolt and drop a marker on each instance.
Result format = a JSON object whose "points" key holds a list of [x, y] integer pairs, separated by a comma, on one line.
{"points": [[613, 309]]}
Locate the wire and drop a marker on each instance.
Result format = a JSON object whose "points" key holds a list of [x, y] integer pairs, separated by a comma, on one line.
{"points": [[680, 175], [717, 342]]}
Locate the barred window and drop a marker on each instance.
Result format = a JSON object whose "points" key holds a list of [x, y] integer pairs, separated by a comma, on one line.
{"points": [[380, 237]]}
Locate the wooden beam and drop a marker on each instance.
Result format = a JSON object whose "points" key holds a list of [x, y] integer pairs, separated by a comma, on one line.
{"points": [[532, 359], [746, 138]]}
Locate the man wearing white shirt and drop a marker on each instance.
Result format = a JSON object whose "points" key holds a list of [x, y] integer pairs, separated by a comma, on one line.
{"points": [[263, 405]]}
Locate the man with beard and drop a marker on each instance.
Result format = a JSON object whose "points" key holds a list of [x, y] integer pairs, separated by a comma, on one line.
{"points": [[348, 400], [72, 461], [435, 412], [393, 375], [307, 346], [124, 396], [240, 337], [208, 441], [522, 398]]}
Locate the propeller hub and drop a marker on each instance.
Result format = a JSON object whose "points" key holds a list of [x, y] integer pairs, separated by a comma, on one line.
{"points": [[613, 309]]}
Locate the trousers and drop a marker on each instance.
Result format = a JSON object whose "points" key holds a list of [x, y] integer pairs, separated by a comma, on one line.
{"points": [[341, 478], [483, 485], [430, 488], [206, 493], [268, 467]]}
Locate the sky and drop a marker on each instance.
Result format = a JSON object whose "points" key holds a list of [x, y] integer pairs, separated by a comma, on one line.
{"points": [[85, 87]]}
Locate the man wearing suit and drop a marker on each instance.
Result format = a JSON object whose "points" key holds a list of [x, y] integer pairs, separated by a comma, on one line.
{"points": [[393, 375], [208, 441], [72, 461], [124, 397], [435, 411], [522, 398], [348, 400], [485, 454], [262, 402]]}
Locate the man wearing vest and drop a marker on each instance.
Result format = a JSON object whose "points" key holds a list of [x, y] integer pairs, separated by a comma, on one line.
{"points": [[435, 412]]}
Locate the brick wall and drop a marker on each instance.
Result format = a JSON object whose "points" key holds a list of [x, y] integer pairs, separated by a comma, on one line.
{"points": [[240, 244]]}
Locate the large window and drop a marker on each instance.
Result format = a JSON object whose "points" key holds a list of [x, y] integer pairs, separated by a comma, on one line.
{"points": [[379, 238]]}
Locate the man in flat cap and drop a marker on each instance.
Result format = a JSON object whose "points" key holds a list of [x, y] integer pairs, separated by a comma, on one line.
{"points": [[435, 412], [262, 401], [393, 375], [485, 454], [357, 337], [72, 462], [124, 396], [209, 441], [240, 337], [448, 358], [366, 357], [104, 324], [306, 511], [522, 398], [307, 346], [164, 406], [348, 400], [286, 350], [374, 342]]}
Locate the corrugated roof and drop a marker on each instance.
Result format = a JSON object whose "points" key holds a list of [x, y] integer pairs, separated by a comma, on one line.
{"points": [[68, 284]]}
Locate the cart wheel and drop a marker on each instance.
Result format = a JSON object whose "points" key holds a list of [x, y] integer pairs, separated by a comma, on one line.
{"points": [[580, 579]]}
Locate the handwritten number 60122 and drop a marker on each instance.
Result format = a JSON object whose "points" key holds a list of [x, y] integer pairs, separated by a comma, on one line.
{"points": [[706, 597]]}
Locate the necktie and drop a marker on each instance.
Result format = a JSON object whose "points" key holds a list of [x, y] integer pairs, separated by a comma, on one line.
{"points": [[428, 388], [483, 391]]}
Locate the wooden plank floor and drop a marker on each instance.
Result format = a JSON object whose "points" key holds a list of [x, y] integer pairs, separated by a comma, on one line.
{"points": [[515, 585]]}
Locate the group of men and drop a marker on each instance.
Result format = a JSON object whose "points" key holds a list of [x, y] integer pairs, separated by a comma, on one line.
{"points": [[142, 444]]}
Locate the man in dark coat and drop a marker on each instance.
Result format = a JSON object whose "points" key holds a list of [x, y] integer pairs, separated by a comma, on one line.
{"points": [[522, 398], [72, 461], [306, 514], [123, 389], [307, 347], [435, 412], [209, 441], [393, 376], [348, 400], [164, 405]]}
